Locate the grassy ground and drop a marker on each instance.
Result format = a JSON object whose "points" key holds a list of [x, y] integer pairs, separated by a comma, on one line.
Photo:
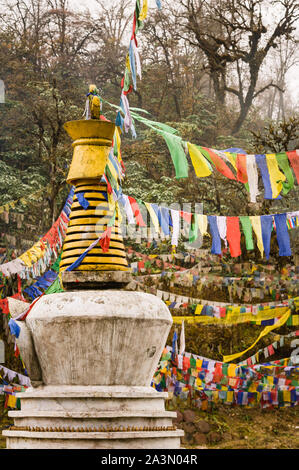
{"points": [[253, 428]]}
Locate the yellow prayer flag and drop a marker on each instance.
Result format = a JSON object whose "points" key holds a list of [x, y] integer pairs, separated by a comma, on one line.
{"points": [[128, 63], [118, 139], [257, 228], [276, 176], [232, 159], [286, 395], [202, 223], [204, 405], [153, 216], [113, 171], [270, 380], [143, 13], [12, 400], [231, 370], [198, 161], [198, 309], [265, 331], [198, 382]]}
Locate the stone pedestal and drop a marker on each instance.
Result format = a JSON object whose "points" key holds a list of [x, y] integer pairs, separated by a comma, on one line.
{"points": [[93, 355], [92, 418]]}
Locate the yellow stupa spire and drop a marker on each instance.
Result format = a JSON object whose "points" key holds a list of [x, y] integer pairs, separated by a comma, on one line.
{"points": [[91, 212]]}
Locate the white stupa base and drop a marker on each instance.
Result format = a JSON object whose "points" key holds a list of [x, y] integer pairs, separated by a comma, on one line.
{"points": [[92, 417]]}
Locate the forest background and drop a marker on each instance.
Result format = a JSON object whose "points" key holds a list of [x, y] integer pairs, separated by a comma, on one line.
{"points": [[215, 70]]}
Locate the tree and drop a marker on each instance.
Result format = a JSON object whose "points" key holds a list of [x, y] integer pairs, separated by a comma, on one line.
{"points": [[42, 54], [235, 39], [277, 136]]}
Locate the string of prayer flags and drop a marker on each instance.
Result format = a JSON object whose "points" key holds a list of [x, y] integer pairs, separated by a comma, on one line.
{"points": [[204, 159], [228, 229], [202, 380], [275, 169], [132, 68], [11, 375], [269, 350], [281, 321], [36, 260]]}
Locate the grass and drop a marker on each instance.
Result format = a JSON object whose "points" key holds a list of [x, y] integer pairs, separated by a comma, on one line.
{"points": [[254, 428]]}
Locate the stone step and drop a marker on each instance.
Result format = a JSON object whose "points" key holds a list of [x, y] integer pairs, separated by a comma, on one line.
{"points": [[91, 419], [93, 414], [94, 440], [92, 399]]}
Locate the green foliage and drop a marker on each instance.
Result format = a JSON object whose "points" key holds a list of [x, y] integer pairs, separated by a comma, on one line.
{"points": [[277, 136], [15, 184], [141, 186]]}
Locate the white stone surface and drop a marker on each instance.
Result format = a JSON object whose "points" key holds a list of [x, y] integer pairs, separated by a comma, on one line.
{"points": [[26, 346], [95, 353], [97, 413], [131, 440], [16, 307], [103, 337]]}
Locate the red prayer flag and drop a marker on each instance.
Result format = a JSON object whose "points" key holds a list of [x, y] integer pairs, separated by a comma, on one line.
{"points": [[186, 363], [294, 160], [233, 236], [4, 306], [187, 216], [136, 212], [220, 164], [105, 240], [271, 350], [241, 168]]}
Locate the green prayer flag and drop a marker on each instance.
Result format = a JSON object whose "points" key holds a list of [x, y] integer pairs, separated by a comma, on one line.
{"points": [[55, 266], [283, 163], [193, 233], [157, 126], [247, 230], [174, 144], [126, 80], [225, 369], [192, 362], [112, 220], [55, 287], [206, 154]]}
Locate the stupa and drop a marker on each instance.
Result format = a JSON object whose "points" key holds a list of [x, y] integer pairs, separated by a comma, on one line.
{"points": [[91, 351]]}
